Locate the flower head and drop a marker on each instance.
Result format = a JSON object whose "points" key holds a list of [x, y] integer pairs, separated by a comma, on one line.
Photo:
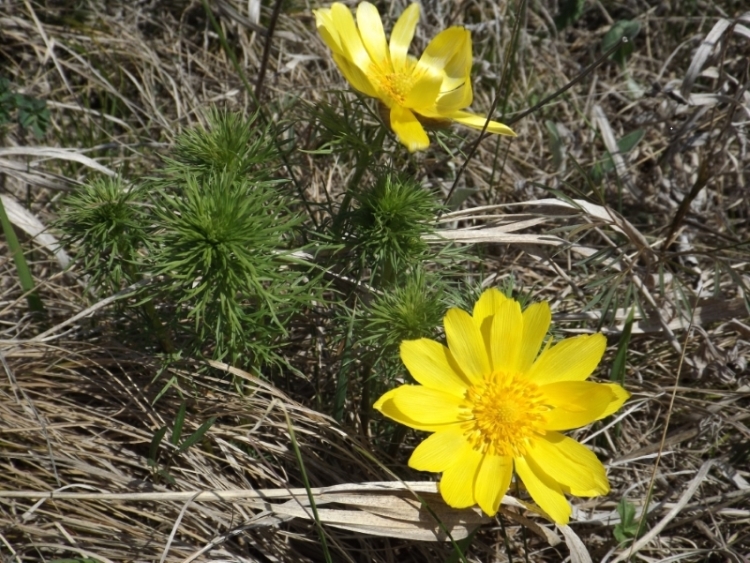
{"points": [[495, 404], [432, 90]]}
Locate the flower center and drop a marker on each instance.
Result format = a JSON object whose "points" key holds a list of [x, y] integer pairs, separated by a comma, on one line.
{"points": [[502, 413], [393, 87]]}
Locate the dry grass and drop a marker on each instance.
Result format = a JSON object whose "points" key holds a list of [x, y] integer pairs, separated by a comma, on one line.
{"points": [[667, 230]]}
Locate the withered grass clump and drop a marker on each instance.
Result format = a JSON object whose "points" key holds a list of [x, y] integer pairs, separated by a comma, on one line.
{"points": [[626, 195], [77, 418]]}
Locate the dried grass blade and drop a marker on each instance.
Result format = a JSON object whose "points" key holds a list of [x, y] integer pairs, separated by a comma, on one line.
{"points": [[578, 551], [742, 30], [58, 153], [28, 223], [702, 54], [602, 123], [605, 214], [496, 235]]}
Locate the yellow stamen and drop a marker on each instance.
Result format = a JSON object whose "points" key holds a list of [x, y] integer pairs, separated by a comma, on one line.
{"points": [[502, 413], [393, 87]]}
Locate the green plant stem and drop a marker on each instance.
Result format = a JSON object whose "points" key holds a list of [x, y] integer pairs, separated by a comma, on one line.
{"points": [[161, 332], [387, 275], [362, 164], [366, 405], [506, 543], [342, 377], [150, 311], [398, 437]]}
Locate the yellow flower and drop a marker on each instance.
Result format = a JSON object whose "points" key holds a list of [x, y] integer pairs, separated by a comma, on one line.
{"points": [[433, 89], [496, 404]]}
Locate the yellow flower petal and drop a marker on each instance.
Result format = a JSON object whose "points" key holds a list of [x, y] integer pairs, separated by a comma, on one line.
{"points": [[438, 452], [437, 86], [354, 76], [351, 42], [488, 304], [327, 30], [513, 413], [493, 480], [459, 65], [431, 364], [477, 122], [427, 406], [457, 484], [622, 396], [384, 398], [507, 331], [371, 30], [408, 129], [387, 406], [577, 403], [401, 36], [466, 344], [573, 359], [451, 100], [456, 92], [545, 491], [440, 51], [424, 92], [569, 463], [536, 321], [485, 307]]}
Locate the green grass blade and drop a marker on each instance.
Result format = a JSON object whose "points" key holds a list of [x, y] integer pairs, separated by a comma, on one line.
{"points": [[153, 449], [197, 435], [24, 274], [618, 366], [179, 421], [306, 482]]}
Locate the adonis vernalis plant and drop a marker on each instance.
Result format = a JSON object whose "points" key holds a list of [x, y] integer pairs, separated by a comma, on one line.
{"points": [[496, 405], [431, 91]]}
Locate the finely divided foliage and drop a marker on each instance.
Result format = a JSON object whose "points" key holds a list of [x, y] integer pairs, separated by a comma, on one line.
{"points": [[270, 295]]}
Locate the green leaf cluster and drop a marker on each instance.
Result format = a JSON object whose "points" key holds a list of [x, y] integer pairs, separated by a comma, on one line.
{"points": [[228, 251], [388, 226], [411, 310], [569, 12], [212, 240], [107, 222], [31, 113], [621, 30], [629, 527], [347, 128]]}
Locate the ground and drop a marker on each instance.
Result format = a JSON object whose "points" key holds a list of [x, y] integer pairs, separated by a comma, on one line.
{"points": [[625, 193]]}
